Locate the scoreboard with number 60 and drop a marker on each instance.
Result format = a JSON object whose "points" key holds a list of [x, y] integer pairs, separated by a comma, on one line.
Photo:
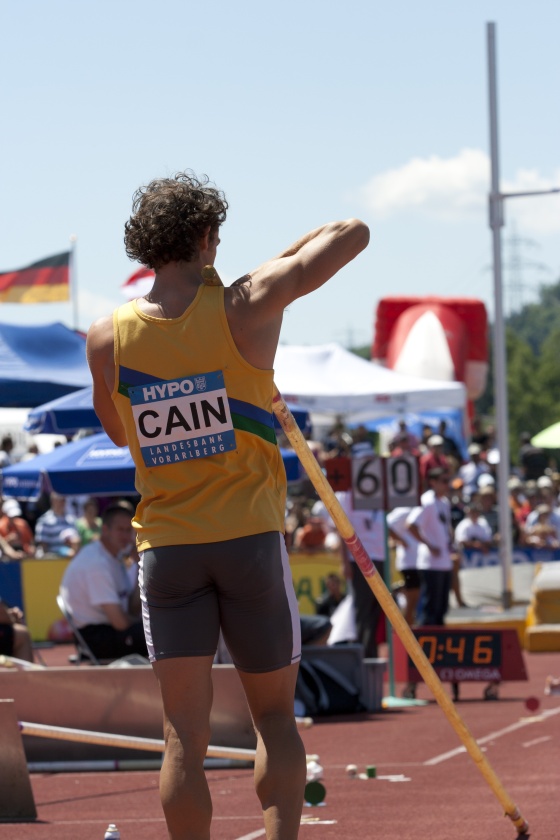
{"points": [[384, 483]]}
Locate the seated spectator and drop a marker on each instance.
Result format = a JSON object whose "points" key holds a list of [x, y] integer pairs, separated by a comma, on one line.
{"points": [[15, 638], [89, 525], [542, 533], [100, 592], [311, 537], [50, 526], [486, 497], [334, 593], [547, 493], [332, 539], [474, 531], [544, 496], [16, 531]]}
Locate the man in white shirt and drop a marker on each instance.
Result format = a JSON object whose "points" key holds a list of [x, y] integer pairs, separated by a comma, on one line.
{"points": [[54, 528], [431, 526], [474, 531], [101, 593], [406, 559]]}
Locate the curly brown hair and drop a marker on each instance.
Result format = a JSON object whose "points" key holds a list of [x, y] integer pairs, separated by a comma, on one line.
{"points": [[170, 216]]}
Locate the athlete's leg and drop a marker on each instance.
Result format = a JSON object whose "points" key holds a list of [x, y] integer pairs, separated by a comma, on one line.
{"points": [[280, 766], [412, 597], [186, 691]]}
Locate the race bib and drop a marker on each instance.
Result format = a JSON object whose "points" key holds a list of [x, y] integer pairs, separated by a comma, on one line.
{"points": [[182, 419]]}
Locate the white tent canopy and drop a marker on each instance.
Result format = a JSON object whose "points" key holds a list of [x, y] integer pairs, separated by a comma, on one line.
{"points": [[327, 379]]}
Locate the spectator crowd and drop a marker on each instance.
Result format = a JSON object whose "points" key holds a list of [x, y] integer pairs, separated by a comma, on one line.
{"points": [[458, 512]]}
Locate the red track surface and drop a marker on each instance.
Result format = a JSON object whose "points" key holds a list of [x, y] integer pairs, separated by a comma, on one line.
{"points": [[444, 800]]}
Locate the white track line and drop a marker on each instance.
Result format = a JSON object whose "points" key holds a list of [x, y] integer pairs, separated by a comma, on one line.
{"points": [[537, 741], [493, 736], [253, 835]]}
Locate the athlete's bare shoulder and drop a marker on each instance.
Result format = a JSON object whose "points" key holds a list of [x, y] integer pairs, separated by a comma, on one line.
{"points": [[100, 334]]}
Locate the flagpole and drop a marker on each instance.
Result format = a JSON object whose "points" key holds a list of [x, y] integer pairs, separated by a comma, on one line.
{"points": [[73, 281]]}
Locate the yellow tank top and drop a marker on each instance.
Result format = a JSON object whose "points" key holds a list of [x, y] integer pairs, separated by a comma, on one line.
{"points": [[198, 421]]}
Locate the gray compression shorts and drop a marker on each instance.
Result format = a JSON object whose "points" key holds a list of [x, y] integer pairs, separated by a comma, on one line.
{"points": [[243, 586]]}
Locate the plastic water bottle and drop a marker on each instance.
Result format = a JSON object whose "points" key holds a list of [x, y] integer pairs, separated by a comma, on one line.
{"points": [[112, 833]]}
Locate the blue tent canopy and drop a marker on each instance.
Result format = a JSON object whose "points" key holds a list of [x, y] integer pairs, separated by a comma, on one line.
{"points": [[66, 415], [40, 363], [93, 465]]}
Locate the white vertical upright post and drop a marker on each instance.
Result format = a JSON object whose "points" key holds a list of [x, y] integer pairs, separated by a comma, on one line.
{"points": [[496, 222]]}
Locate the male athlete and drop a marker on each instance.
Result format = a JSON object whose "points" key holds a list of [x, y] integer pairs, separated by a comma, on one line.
{"points": [[184, 377]]}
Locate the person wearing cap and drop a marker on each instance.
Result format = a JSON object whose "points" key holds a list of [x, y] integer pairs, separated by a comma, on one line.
{"points": [[311, 536], [15, 532], [433, 459], [544, 496], [430, 525], [474, 468], [485, 496], [474, 532], [542, 532]]}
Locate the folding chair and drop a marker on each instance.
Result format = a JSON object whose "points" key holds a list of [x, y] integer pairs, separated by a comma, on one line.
{"points": [[83, 650]]}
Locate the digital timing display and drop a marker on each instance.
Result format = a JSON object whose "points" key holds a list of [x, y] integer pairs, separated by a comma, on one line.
{"points": [[451, 649], [462, 654], [472, 654]]}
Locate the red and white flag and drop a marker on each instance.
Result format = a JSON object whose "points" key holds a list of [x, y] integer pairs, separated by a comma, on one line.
{"points": [[138, 284]]}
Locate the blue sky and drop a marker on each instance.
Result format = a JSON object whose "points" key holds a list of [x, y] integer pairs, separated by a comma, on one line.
{"points": [[302, 112]]}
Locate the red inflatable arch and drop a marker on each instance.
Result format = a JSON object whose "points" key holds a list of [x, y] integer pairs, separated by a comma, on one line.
{"points": [[434, 337]]}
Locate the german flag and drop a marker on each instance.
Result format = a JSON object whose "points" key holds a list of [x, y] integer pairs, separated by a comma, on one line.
{"points": [[46, 281]]}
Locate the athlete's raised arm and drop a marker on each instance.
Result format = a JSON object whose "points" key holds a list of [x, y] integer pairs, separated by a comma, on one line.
{"points": [[256, 302], [308, 263]]}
